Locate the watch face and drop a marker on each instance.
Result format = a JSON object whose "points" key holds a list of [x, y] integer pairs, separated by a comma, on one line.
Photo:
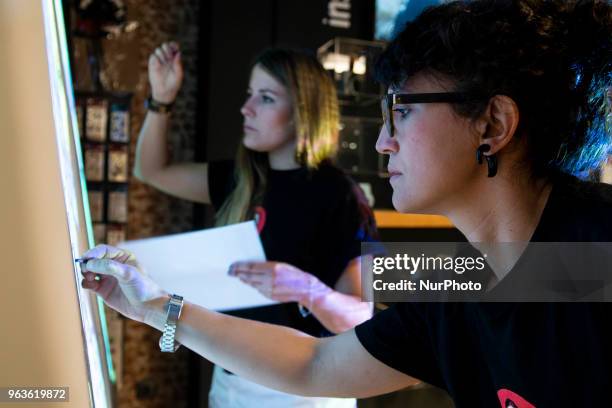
{"points": [[174, 308]]}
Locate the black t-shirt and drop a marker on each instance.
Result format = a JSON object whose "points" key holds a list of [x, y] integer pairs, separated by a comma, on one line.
{"points": [[512, 354], [313, 220]]}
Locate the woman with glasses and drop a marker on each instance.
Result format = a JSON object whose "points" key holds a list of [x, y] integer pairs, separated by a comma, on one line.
{"points": [[493, 106], [310, 216]]}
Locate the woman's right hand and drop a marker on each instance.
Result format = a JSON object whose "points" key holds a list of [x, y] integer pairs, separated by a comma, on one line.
{"points": [[123, 285], [165, 72]]}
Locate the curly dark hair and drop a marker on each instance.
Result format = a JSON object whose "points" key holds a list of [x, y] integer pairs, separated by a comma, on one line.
{"points": [[552, 57]]}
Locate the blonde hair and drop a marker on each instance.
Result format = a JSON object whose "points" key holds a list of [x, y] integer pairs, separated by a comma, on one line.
{"points": [[316, 118]]}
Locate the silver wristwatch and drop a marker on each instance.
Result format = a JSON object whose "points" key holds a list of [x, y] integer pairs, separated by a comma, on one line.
{"points": [[167, 344]]}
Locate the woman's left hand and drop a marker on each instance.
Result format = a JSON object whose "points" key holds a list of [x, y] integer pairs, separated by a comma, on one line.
{"points": [[278, 281]]}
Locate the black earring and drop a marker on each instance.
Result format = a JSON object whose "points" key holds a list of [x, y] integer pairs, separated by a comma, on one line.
{"points": [[491, 165], [491, 159], [482, 149]]}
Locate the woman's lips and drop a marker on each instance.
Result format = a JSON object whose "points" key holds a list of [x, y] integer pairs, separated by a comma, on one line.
{"points": [[393, 174], [247, 128]]}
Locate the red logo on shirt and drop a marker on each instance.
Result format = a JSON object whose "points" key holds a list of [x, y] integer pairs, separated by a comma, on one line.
{"points": [[509, 399], [260, 218]]}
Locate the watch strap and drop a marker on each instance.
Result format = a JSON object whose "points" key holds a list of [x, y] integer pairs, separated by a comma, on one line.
{"points": [[167, 343], [159, 107]]}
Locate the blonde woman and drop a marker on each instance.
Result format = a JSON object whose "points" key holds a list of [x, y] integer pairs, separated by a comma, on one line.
{"points": [[310, 216]]}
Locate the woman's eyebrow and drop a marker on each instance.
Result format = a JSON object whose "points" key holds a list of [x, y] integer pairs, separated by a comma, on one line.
{"points": [[268, 90]]}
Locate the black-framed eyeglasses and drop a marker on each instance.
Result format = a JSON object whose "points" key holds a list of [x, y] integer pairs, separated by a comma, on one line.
{"points": [[387, 102]]}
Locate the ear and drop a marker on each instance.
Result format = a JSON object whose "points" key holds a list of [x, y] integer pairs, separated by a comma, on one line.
{"points": [[499, 122]]}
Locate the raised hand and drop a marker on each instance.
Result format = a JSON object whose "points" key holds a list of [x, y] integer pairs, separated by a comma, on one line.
{"points": [[165, 72]]}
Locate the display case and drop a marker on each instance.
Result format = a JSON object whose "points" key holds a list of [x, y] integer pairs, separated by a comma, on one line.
{"points": [[104, 125], [351, 63]]}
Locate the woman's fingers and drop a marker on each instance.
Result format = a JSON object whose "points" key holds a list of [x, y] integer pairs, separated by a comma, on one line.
{"points": [[102, 251], [174, 47], [108, 267], [91, 285], [102, 287], [251, 272], [262, 287], [168, 52], [110, 252], [95, 252], [165, 54], [251, 279], [160, 55], [154, 61], [238, 267], [251, 267], [89, 276]]}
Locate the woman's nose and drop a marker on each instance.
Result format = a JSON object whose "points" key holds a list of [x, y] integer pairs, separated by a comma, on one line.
{"points": [[247, 108], [386, 144]]}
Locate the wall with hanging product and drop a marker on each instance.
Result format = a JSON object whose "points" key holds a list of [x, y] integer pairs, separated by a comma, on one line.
{"points": [[122, 207]]}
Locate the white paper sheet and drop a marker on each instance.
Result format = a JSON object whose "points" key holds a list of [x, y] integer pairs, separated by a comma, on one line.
{"points": [[195, 264]]}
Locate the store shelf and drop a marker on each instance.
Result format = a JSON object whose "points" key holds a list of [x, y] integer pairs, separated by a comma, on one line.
{"points": [[393, 219]]}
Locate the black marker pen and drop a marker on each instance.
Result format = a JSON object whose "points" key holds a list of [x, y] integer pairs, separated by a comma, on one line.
{"points": [[83, 261]]}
